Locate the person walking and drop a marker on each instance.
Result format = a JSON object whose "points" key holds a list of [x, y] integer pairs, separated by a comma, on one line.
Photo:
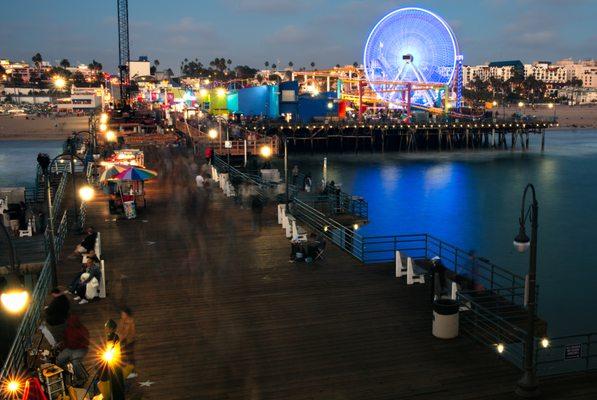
{"points": [[307, 183], [127, 333], [295, 174]]}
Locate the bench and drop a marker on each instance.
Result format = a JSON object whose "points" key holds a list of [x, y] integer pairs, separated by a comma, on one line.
{"points": [[102, 283], [411, 276], [98, 246]]}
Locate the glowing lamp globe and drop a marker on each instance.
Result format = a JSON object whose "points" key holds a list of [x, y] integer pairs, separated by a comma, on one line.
{"points": [[410, 45], [265, 151], [86, 193], [212, 133], [522, 241], [15, 301]]}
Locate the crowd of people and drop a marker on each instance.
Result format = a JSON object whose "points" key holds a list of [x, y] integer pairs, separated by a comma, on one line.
{"points": [[68, 336]]}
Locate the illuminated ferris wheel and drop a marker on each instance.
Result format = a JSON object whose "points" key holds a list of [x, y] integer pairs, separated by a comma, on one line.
{"points": [[410, 46]]}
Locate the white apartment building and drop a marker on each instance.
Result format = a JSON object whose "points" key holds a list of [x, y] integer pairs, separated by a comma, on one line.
{"points": [[585, 70], [560, 72], [547, 72]]}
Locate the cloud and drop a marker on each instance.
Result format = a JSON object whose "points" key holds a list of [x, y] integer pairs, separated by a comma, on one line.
{"points": [[290, 34], [537, 37]]}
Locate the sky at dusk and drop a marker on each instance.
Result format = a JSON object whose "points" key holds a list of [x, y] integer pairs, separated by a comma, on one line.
{"points": [[328, 32]]}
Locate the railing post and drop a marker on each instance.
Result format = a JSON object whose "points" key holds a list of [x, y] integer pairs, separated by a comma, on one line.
{"points": [[426, 246], [456, 261]]}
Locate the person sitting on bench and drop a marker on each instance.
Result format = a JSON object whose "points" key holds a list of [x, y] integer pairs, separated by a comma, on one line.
{"points": [[92, 270], [88, 244]]}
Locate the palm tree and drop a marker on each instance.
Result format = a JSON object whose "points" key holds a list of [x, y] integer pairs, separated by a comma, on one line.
{"points": [[274, 66], [312, 64], [290, 64], [65, 63], [266, 64], [355, 64], [156, 62], [37, 59], [337, 65]]}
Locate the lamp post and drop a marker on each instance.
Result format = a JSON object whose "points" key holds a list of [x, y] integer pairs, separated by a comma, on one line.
{"points": [[44, 163], [72, 156], [527, 386], [14, 297]]}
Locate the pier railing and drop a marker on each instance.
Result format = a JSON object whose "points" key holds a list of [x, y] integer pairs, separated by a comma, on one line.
{"points": [[345, 238], [15, 360], [491, 328], [481, 272], [566, 354]]}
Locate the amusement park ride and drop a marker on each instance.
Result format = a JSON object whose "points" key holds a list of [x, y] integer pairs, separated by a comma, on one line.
{"points": [[411, 60]]}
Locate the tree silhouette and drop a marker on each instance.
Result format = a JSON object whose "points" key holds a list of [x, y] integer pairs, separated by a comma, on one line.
{"points": [[156, 62], [274, 66], [290, 64], [65, 63], [355, 64], [37, 59], [266, 64], [312, 64]]}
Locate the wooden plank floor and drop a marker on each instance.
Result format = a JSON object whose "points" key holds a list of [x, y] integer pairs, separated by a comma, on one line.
{"points": [[222, 314]]}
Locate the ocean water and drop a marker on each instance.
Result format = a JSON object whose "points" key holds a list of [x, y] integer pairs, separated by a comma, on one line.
{"points": [[18, 159], [472, 199]]}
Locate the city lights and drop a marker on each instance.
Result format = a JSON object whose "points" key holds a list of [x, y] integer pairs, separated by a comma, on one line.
{"points": [[500, 348], [545, 343], [104, 118], [103, 127], [59, 82], [110, 136], [221, 92], [212, 133]]}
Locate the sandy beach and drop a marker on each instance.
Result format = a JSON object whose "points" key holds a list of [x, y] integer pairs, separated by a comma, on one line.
{"points": [[577, 117], [40, 128]]}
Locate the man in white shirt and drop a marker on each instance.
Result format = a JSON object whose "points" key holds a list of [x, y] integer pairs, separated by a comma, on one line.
{"points": [[200, 181]]}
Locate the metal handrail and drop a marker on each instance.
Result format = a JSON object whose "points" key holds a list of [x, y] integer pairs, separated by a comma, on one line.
{"points": [[557, 358], [345, 238], [15, 359]]}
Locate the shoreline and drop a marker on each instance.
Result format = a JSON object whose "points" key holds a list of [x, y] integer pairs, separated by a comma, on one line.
{"points": [[34, 127]]}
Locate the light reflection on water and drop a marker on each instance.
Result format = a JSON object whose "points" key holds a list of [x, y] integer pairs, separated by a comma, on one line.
{"points": [[473, 201]]}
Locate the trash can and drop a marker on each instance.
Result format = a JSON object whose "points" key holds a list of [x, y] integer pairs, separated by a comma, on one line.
{"points": [[445, 318]]}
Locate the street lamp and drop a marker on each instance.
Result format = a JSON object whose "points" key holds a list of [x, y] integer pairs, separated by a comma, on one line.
{"points": [[104, 118], [12, 388], [86, 193], [73, 159], [212, 133], [528, 386], [265, 151], [14, 297]]}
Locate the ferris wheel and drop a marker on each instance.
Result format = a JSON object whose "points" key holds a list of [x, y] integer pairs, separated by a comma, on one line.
{"points": [[410, 45]]}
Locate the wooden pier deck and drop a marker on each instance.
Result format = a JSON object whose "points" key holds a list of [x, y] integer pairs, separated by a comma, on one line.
{"points": [[222, 314]]}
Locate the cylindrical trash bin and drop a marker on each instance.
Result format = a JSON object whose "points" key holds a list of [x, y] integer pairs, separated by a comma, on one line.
{"points": [[445, 318]]}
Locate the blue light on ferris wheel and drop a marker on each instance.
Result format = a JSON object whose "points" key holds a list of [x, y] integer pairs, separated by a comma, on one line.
{"points": [[410, 45]]}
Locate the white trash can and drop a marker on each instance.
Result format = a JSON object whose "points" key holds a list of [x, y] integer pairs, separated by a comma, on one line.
{"points": [[445, 318]]}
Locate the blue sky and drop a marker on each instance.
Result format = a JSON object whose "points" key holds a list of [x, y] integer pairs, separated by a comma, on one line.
{"points": [[253, 31]]}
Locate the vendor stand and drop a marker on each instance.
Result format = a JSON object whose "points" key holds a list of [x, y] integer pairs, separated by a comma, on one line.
{"points": [[127, 190]]}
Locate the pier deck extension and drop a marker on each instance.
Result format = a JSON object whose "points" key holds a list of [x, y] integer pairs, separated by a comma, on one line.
{"points": [[222, 314]]}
